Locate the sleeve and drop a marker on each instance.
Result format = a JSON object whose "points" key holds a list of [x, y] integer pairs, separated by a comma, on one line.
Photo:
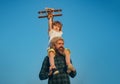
{"points": [[61, 33], [51, 32], [44, 69], [73, 74]]}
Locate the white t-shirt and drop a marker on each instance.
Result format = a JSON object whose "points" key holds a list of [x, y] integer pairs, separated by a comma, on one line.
{"points": [[53, 34]]}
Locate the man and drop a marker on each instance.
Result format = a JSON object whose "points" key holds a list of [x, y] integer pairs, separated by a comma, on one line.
{"points": [[57, 44]]}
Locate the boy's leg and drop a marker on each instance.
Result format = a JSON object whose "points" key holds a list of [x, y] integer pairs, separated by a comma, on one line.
{"points": [[67, 56], [68, 63], [51, 54]]}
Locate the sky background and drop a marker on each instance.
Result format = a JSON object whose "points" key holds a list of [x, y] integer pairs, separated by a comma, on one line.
{"points": [[91, 30]]}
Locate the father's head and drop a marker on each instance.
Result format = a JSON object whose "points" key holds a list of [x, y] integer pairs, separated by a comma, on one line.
{"points": [[57, 43]]}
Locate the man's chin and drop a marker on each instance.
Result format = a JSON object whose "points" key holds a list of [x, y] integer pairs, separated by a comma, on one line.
{"points": [[61, 50]]}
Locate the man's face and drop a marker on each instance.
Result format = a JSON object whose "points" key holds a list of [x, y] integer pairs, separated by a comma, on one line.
{"points": [[60, 45]]}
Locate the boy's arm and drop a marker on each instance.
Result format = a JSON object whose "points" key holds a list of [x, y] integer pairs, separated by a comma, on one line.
{"points": [[44, 69], [50, 20]]}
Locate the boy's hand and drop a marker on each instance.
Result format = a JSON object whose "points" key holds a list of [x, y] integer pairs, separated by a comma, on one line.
{"points": [[49, 11], [50, 16]]}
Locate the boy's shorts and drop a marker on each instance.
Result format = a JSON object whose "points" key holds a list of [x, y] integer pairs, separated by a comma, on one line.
{"points": [[51, 50]]}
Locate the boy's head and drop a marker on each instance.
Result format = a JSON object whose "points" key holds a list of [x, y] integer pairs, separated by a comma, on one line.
{"points": [[58, 24]]}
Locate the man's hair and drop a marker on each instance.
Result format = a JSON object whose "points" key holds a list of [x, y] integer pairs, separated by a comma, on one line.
{"points": [[54, 41], [58, 23]]}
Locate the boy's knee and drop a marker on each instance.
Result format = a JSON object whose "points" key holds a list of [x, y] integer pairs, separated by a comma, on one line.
{"points": [[68, 50]]}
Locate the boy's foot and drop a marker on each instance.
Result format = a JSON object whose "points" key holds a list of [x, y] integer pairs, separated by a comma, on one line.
{"points": [[70, 68], [53, 71]]}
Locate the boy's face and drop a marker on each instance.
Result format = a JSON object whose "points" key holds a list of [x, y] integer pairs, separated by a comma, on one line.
{"points": [[56, 27]]}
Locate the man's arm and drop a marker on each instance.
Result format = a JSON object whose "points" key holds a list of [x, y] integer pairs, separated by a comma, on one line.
{"points": [[44, 69], [73, 72]]}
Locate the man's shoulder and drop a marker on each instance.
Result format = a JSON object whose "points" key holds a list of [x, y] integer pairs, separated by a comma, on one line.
{"points": [[46, 57]]}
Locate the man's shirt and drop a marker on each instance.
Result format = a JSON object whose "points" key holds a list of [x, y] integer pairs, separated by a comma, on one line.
{"points": [[62, 77]]}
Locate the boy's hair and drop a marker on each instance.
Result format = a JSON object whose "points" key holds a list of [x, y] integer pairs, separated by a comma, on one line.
{"points": [[57, 23]]}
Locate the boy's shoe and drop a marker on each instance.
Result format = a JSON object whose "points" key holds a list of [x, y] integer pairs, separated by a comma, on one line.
{"points": [[70, 68], [53, 71]]}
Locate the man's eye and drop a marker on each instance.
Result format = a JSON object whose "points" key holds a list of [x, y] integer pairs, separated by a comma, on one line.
{"points": [[61, 43]]}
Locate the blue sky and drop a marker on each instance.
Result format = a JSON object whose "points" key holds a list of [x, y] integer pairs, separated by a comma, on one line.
{"points": [[91, 30]]}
